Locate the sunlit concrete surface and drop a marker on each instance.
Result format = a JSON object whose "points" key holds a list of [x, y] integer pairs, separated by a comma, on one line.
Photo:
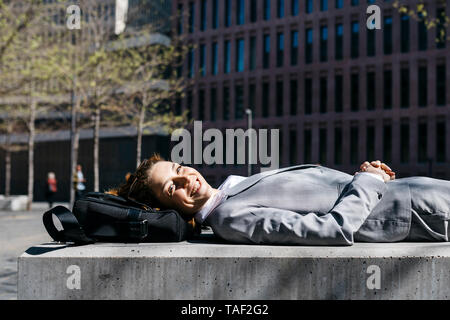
{"points": [[208, 269]]}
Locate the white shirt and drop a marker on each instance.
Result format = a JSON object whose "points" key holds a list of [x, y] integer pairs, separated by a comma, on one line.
{"points": [[230, 182], [80, 185]]}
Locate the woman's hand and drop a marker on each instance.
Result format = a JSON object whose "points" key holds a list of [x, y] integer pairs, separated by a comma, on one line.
{"points": [[369, 167], [384, 167]]}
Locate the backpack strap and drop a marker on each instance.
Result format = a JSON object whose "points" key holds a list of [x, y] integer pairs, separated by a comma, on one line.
{"points": [[72, 230]]}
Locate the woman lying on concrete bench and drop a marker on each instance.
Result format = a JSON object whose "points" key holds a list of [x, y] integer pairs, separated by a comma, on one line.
{"points": [[304, 204]]}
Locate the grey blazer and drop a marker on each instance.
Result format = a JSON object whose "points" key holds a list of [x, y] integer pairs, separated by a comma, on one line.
{"points": [[313, 205]]}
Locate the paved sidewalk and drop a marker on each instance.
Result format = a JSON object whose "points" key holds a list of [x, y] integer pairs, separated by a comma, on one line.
{"points": [[18, 231]]}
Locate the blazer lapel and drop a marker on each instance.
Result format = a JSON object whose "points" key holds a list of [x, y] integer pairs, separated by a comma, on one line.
{"points": [[247, 183]]}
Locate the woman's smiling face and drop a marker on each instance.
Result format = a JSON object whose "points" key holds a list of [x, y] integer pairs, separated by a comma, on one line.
{"points": [[179, 187]]}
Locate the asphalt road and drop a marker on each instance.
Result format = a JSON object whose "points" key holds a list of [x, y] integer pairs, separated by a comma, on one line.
{"points": [[18, 231]]}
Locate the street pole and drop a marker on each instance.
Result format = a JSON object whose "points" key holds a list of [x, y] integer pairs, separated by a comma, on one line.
{"points": [[249, 125]]}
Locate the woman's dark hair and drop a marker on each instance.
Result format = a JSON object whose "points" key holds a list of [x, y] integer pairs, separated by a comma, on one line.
{"points": [[137, 186]]}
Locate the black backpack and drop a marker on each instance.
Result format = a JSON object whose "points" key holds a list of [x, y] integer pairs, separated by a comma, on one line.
{"points": [[108, 218]]}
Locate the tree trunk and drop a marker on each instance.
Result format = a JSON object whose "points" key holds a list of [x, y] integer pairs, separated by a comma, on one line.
{"points": [[31, 138], [75, 142], [96, 149], [140, 129]]}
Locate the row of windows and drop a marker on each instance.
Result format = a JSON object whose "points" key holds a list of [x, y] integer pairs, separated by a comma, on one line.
{"points": [[358, 96], [283, 8], [323, 55], [406, 148]]}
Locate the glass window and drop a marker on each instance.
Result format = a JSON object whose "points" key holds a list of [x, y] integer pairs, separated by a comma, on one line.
{"points": [[308, 95], [355, 39], [180, 19], [293, 147], [441, 85], [293, 97], [354, 2], [191, 63], [240, 12], [322, 146], [354, 103], [227, 56], [339, 4], [309, 6], [201, 104], [191, 16], [387, 34], [370, 88], [337, 145], [441, 31], [308, 45], [266, 51], [371, 35], [252, 53], [307, 145], [226, 103], [280, 8], [423, 35], [323, 94], [422, 145], [253, 10], [214, 57], [370, 142], [440, 142], [265, 99], [339, 53], [354, 147], [423, 86], [323, 43], [338, 93], [227, 13], [387, 89], [404, 33], [213, 103], [280, 49], [294, 47], [323, 5], [404, 143], [204, 15], [294, 7], [215, 14], [266, 9], [240, 55], [404, 88], [387, 143], [202, 60], [280, 100], [239, 102]]}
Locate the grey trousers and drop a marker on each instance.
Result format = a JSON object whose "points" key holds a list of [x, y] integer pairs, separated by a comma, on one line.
{"points": [[430, 206]]}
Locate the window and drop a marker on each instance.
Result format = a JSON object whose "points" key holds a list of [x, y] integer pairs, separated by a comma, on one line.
{"points": [[294, 7], [387, 89], [308, 95], [201, 104], [370, 142], [280, 49], [280, 8], [423, 86], [337, 145], [323, 43], [354, 148], [308, 45], [202, 60], [440, 142], [371, 42], [191, 63], [354, 2], [404, 33], [293, 147], [294, 47], [387, 143], [213, 103], [214, 63], [180, 19], [240, 55], [371, 90], [441, 96], [387, 34], [280, 102], [355, 40], [266, 9], [339, 41], [203, 12], [238, 102], [404, 143], [227, 17], [323, 94], [323, 5], [322, 146], [253, 11], [265, 100], [240, 12], [307, 143], [226, 61], [309, 6], [293, 97], [191, 16], [339, 4], [404, 88], [252, 96], [423, 36], [189, 99], [226, 103], [354, 101], [422, 147], [215, 14], [338, 93], [441, 32], [266, 51], [252, 53]]}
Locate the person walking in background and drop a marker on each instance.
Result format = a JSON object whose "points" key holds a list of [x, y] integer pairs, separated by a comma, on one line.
{"points": [[51, 188], [79, 182]]}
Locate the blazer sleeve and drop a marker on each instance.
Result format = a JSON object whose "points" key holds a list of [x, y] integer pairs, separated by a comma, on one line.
{"points": [[263, 225]]}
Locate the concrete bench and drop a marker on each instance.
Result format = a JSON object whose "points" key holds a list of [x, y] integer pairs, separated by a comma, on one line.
{"points": [[13, 203], [206, 269]]}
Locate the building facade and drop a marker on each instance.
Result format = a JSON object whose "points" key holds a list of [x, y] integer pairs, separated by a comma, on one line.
{"points": [[339, 93]]}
